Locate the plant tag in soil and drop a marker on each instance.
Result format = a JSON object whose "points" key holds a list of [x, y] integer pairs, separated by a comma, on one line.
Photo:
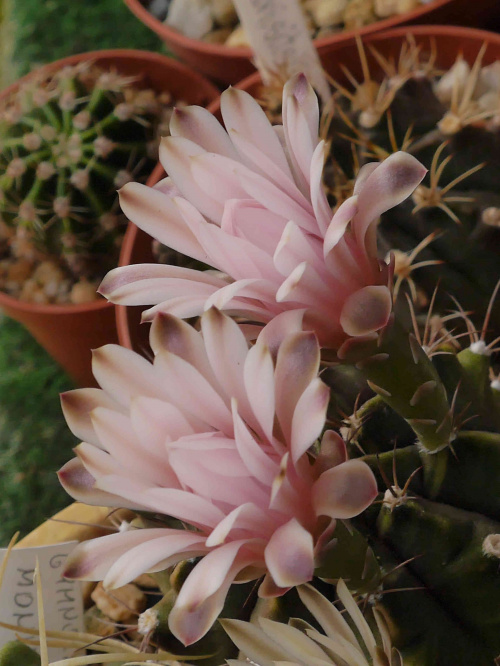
{"points": [[278, 34], [62, 599]]}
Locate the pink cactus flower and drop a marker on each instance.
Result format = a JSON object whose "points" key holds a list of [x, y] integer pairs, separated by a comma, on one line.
{"points": [[218, 436], [250, 202]]}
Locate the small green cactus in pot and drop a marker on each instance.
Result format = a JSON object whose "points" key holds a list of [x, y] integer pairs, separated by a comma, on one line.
{"points": [[68, 140]]}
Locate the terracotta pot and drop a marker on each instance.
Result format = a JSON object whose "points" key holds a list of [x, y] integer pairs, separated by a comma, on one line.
{"points": [[230, 65], [69, 332], [451, 40]]}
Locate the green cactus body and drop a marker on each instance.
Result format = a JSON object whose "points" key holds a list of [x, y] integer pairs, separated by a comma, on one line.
{"points": [[459, 585], [68, 140], [15, 653], [437, 546]]}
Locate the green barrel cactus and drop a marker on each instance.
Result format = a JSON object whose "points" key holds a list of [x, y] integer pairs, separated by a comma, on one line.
{"points": [[68, 141]]}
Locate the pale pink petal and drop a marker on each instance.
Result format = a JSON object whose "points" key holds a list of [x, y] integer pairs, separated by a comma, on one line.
{"points": [[227, 350], [366, 310], [350, 266], [147, 292], [269, 590], [234, 256], [259, 386], [248, 308], [345, 490], [305, 287], [251, 331], [216, 175], [175, 156], [245, 518], [281, 326], [154, 555], [300, 121], [300, 90], [320, 204], [141, 284], [188, 389], [77, 405], [223, 461], [79, 484], [201, 127], [183, 307], [385, 187], [333, 452], [202, 595], [279, 130], [248, 219], [338, 224], [252, 288], [362, 175], [270, 196], [203, 441], [230, 484], [244, 115], [168, 187], [297, 365], [296, 247], [180, 504], [118, 437], [289, 555], [257, 461], [263, 165], [284, 497], [309, 417], [154, 213], [98, 462], [124, 374], [91, 560], [175, 336]]}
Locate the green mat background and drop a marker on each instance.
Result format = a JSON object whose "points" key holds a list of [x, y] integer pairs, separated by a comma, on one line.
{"points": [[34, 439]]}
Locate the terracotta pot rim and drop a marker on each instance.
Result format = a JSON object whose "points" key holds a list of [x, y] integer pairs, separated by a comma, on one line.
{"points": [[456, 30], [115, 54], [391, 33], [168, 33], [52, 308]]}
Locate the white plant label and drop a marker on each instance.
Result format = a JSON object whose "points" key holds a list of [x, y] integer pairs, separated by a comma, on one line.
{"points": [[278, 34], [62, 599]]}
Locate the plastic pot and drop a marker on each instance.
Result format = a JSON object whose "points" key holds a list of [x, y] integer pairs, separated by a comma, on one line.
{"points": [[69, 332], [231, 64]]}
